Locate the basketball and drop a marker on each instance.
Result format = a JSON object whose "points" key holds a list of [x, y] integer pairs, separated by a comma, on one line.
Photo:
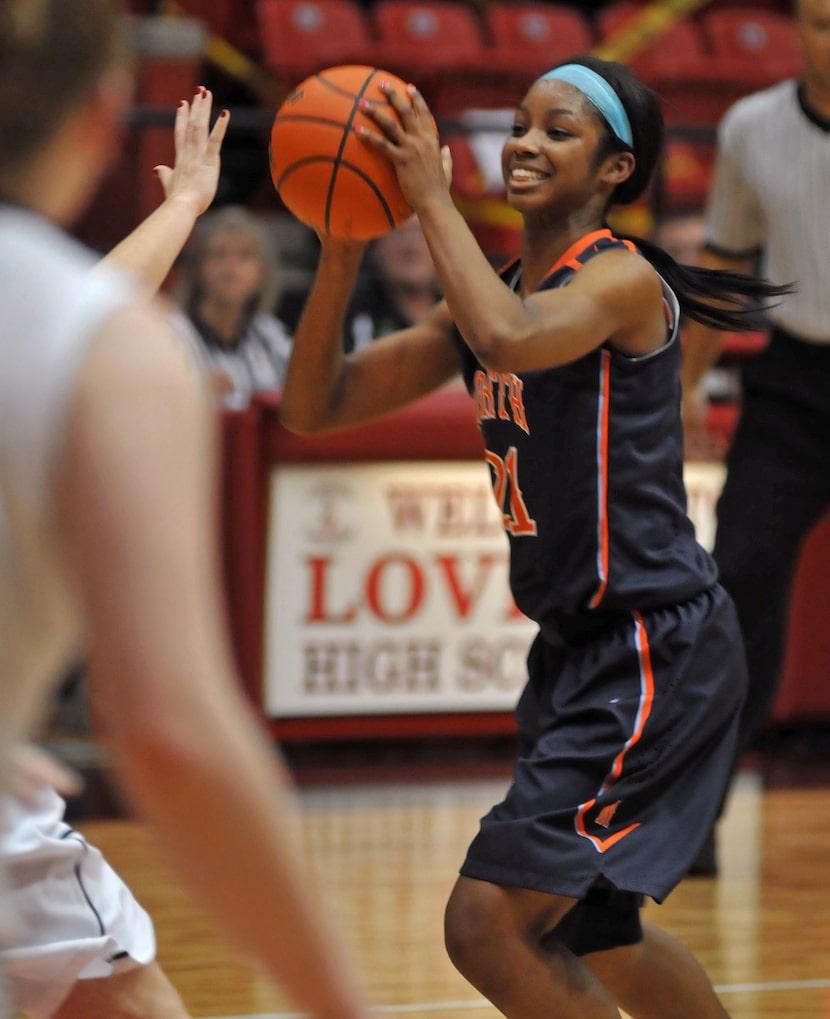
{"points": [[323, 173]]}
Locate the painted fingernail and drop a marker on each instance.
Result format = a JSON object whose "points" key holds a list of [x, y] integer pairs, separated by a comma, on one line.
{"points": [[410, 88], [182, 102], [363, 103], [359, 129]]}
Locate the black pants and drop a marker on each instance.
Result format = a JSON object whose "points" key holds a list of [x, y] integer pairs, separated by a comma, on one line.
{"points": [[777, 488]]}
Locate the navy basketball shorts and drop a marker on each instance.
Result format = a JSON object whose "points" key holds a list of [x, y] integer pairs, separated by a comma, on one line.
{"points": [[627, 744]]}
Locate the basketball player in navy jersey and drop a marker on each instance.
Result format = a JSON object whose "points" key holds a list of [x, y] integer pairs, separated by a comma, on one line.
{"points": [[636, 678]]}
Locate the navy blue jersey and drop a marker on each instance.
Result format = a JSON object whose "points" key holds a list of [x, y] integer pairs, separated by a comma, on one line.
{"points": [[586, 462]]}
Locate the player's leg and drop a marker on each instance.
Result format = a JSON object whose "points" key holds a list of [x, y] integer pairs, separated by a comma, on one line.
{"points": [[658, 978], [757, 553], [495, 936], [137, 993], [777, 486]]}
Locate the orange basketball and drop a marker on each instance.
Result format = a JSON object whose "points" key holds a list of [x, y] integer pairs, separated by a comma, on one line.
{"points": [[322, 171]]}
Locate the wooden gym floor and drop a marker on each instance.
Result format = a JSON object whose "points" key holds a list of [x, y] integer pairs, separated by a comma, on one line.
{"points": [[386, 850]]}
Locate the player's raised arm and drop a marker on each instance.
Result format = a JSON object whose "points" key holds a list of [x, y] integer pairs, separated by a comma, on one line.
{"points": [[324, 388], [150, 251]]}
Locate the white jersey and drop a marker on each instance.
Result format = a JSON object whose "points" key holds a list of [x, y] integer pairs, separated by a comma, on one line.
{"points": [[51, 308], [71, 916]]}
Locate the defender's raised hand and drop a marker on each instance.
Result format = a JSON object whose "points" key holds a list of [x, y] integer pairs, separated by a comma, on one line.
{"points": [[195, 172]]}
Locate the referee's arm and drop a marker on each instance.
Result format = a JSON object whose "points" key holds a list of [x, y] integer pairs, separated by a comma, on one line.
{"points": [[702, 345]]}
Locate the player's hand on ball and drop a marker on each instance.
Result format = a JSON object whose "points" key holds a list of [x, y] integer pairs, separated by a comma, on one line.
{"points": [[411, 145]]}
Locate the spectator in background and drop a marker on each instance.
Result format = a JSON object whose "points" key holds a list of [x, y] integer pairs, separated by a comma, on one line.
{"points": [[398, 286], [227, 292], [680, 232], [766, 200]]}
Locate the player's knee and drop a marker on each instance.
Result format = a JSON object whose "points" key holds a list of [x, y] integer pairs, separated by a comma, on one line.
{"points": [[471, 920], [458, 929]]}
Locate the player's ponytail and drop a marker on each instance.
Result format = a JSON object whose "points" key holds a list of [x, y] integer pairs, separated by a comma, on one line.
{"points": [[714, 297]]}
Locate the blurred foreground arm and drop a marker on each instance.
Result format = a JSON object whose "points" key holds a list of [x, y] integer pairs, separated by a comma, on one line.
{"points": [[136, 502]]}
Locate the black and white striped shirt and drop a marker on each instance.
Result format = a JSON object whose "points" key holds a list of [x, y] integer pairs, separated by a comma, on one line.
{"points": [[771, 193], [255, 363]]}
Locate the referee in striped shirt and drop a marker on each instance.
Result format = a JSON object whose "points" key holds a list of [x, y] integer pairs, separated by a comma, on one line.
{"points": [[770, 200]]}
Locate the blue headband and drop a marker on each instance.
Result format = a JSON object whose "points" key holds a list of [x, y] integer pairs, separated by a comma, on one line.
{"points": [[599, 93]]}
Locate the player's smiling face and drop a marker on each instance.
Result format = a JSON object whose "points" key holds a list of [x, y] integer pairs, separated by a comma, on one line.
{"points": [[549, 157]]}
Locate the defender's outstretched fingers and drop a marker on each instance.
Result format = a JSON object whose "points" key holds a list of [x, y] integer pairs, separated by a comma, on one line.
{"points": [[217, 134], [180, 124]]}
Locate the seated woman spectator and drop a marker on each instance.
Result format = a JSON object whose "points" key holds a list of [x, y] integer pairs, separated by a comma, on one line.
{"points": [[398, 286], [227, 291]]}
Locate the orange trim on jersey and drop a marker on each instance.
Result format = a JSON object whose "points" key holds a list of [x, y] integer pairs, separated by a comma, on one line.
{"points": [[600, 844], [602, 477], [507, 265], [643, 712], [570, 257]]}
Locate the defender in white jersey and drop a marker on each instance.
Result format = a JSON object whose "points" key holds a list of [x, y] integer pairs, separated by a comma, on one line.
{"points": [[82, 945], [770, 203], [107, 536]]}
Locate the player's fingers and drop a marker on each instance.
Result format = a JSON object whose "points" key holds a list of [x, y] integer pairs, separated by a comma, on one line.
{"points": [[200, 112], [180, 123], [399, 103], [390, 127], [446, 163], [33, 768], [371, 138], [217, 134], [165, 175], [417, 102]]}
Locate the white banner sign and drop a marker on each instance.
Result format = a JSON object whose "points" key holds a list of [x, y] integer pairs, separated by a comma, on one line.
{"points": [[387, 590]]}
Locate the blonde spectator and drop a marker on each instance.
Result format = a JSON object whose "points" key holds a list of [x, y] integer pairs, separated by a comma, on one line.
{"points": [[228, 290]]}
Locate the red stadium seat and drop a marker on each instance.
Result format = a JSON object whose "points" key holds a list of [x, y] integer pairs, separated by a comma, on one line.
{"points": [[759, 47], [530, 38], [676, 63], [428, 36], [301, 37], [441, 47], [217, 14]]}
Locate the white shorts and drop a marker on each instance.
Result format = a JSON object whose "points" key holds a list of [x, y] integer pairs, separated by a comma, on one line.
{"points": [[73, 918]]}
